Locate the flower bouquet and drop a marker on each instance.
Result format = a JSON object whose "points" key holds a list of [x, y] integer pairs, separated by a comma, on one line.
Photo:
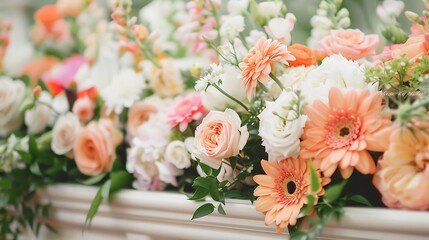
{"points": [[217, 101]]}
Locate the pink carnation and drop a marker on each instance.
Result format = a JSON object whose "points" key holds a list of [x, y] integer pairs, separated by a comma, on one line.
{"points": [[186, 110]]}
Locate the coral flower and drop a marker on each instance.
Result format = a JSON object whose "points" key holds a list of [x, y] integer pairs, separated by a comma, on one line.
{"points": [[304, 55], [403, 173], [283, 191], [48, 15], [259, 63], [341, 132], [187, 110]]}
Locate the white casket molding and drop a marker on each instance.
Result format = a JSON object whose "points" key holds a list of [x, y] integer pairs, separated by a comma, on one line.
{"points": [[133, 215]]}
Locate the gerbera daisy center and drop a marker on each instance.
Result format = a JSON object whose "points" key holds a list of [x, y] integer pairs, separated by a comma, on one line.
{"points": [[290, 187], [342, 131]]}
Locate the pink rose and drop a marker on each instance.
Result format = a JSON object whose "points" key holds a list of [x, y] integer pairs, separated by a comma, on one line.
{"points": [[353, 44], [95, 145], [70, 7], [414, 47], [219, 136], [84, 109], [186, 110]]}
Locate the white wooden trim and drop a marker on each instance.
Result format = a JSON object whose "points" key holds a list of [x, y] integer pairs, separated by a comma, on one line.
{"points": [[136, 215]]}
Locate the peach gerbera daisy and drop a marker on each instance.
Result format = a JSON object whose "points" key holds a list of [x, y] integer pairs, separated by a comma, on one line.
{"points": [[259, 63], [403, 173], [283, 191], [341, 132]]}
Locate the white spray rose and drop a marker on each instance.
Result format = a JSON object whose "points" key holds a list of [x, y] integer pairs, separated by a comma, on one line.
{"points": [[64, 133], [177, 154], [37, 118], [281, 127], [12, 95]]}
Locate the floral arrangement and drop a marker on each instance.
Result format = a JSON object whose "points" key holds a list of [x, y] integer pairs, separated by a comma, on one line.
{"points": [[216, 100]]}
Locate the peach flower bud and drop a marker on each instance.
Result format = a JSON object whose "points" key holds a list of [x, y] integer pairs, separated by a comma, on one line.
{"points": [[140, 32], [36, 91], [84, 109]]}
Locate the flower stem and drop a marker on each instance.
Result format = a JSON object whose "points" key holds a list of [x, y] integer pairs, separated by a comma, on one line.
{"points": [[230, 97], [263, 87], [277, 81]]}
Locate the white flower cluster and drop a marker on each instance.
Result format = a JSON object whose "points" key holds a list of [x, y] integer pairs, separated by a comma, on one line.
{"points": [[329, 16], [389, 10], [212, 77]]}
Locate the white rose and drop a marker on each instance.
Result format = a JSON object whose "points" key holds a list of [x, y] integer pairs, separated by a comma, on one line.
{"points": [[37, 118], [64, 133], [231, 27], [280, 28], [177, 154], [236, 7], [12, 94], [231, 83], [280, 127], [335, 71]]}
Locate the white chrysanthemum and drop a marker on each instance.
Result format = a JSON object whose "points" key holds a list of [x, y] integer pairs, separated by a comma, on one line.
{"points": [[231, 27], [124, 90], [335, 71], [281, 127]]}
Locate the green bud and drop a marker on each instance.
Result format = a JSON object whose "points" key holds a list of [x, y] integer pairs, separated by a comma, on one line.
{"points": [[44, 141], [27, 104], [414, 17]]}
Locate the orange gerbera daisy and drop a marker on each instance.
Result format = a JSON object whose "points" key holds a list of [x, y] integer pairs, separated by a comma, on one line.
{"points": [[403, 173], [259, 63], [341, 132], [283, 191]]}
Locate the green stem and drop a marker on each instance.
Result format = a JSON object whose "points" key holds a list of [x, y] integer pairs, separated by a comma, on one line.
{"points": [[263, 87], [230, 97], [277, 81], [217, 27]]}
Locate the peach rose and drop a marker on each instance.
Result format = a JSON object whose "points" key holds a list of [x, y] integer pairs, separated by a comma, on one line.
{"points": [[219, 136], [304, 55], [84, 109], [353, 44], [138, 114], [95, 145], [70, 7], [413, 48]]}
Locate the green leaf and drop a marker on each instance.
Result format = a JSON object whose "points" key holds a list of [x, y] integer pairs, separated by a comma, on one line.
{"points": [[206, 169], [214, 190], [92, 180], [223, 183], [333, 193], [202, 182], [105, 189], [5, 183], [315, 179], [203, 210], [120, 180], [35, 169], [95, 204], [42, 85], [221, 210], [199, 194], [307, 208], [117, 166], [26, 156], [360, 199], [34, 150]]}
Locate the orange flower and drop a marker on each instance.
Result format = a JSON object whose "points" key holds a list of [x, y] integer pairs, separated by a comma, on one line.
{"points": [[403, 173], [283, 191], [47, 15], [304, 55], [259, 63], [340, 133], [413, 48]]}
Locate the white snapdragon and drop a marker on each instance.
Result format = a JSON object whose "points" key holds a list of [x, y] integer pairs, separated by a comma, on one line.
{"points": [[237, 7], [389, 10], [232, 26], [280, 28], [281, 126], [269, 9]]}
